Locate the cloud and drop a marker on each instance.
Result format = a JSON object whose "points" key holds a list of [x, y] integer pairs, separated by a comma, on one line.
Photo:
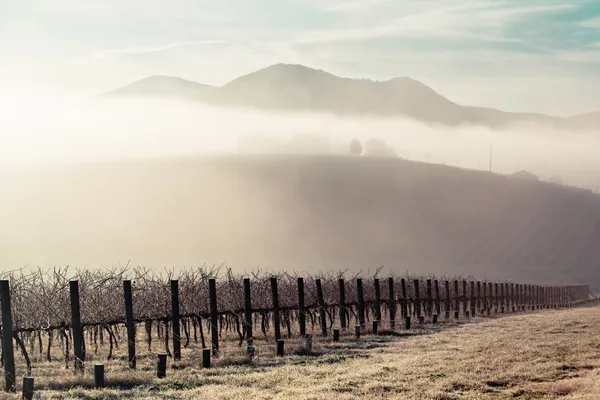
{"points": [[593, 23], [483, 21], [155, 49]]}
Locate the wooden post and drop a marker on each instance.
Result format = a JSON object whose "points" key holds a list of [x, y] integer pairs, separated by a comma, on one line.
{"points": [[375, 324], [357, 331], [496, 298], [206, 358], [323, 316], [403, 302], [280, 344], [214, 327], [342, 289], [502, 298], [161, 368], [472, 299], [275, 300], [175, 320], [27, 388], [417, 297], [76, 326], [361, 302], [438, 309], [248, 310], [512, 296], [429, 308], [478, 305], [407, 321], [336, 335], [465, 299], [10, 384], [392, 302], [301, 308], [456, 300], [484, 299], [130, 322], [448, 303], [377, 300], [98, 376]]}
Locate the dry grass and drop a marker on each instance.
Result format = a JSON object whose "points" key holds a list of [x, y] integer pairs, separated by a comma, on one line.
{"points": [[545, 355]]}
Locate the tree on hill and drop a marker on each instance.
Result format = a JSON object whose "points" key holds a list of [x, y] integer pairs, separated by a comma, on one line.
{"points": [[356, 147], [378, 148]]}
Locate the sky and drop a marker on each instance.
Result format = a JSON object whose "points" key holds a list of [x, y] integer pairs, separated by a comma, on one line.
{"points": [[516, 55]]}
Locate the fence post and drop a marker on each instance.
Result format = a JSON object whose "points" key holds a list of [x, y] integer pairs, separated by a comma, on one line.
{"points": [[465, 299], [27, 388], [301, 307], [248, 310], [502, 298], [205, 358], [10, 384], [175, 320], [161, 367], [342, 291], [392, 302], [438, 309], [448, 303], [456, 301], [429, 308], [99, 376], [76, 325], [417, 285], [323, 317], [275, 299], [361, 302], [214, 328], [403, 302], [377, 300], [128, 294], [478, 301]]}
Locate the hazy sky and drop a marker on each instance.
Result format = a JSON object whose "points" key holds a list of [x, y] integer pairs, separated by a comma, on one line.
{"points": [[518, 55]]}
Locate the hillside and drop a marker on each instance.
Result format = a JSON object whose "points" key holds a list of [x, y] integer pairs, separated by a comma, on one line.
{"points": [[302, 212], [299, 88]]}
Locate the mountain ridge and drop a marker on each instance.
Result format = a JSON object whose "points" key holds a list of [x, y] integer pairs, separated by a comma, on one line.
{"points": [[294, 87]]}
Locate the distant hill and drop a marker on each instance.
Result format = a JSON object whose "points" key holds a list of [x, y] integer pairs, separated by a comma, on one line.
{"points": [[299, 88], [301, 212]]}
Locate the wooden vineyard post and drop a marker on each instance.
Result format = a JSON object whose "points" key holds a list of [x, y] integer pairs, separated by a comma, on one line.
{"points": [[205, 358], [248, 311], [417, 298], [502, 298], [448, 303], [478, 302], [512, 296], [214, 328], [76, 326], [377, 300], [175, 320], [342, 290], [301, 307], [27, 388], [392, 303], [98, 376], [322, 315], [465, 299], [456, 301], [361, 303], [161, 367], [484, 303], [472, 301], [275, 300], [128, 295], [438, 309], [404, 300], [10, 383], [429, 307], [496, 298]]}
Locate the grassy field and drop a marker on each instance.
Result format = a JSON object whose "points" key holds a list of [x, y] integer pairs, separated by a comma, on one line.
{"points": [[550, 354]]}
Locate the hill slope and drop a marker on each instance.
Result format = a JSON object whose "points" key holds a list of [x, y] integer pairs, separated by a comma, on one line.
{"points": [[301, 212], [299, 88]]}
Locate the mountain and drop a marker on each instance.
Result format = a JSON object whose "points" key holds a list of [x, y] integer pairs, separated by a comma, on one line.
{"points": [[299, 88]]}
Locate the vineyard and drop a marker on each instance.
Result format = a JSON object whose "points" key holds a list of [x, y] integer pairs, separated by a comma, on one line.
{"points": [[71, 318]]}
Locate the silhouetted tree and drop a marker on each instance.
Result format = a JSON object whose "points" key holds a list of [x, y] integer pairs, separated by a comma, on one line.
{"points": [[356, 147]]}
